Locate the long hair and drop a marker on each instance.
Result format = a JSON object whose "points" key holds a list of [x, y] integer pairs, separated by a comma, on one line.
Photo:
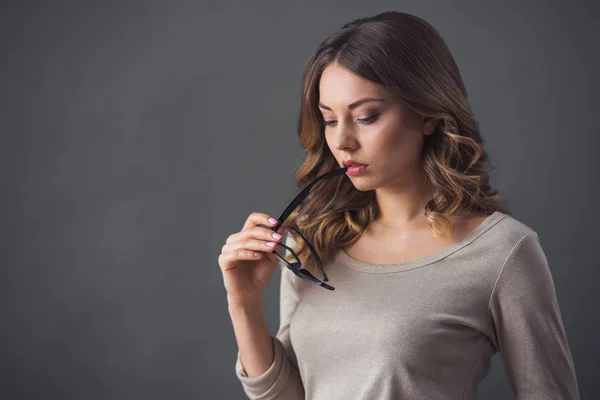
{"points": [[408, 56]]}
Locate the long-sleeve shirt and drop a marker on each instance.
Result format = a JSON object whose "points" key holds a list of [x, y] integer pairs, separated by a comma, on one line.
{"points": [[423, 329]]}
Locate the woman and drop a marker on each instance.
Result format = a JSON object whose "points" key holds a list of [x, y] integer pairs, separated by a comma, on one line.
{"points": [[432, 274]]}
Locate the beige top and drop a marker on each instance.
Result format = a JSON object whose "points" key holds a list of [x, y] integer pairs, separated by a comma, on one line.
{"points": [[423, 329]]}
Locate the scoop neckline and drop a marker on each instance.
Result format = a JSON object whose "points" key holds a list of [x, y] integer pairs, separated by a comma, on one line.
{"points": [[345, 259]]}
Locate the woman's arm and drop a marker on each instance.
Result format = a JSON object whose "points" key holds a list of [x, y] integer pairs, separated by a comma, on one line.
{"points": [[255, 344], [527, 327], [274, 356]]}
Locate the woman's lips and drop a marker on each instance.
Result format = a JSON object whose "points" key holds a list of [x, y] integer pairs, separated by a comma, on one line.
{"points": [[354, 170]]}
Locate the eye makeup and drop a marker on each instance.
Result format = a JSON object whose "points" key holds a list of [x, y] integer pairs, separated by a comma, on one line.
{"points": [[365, 121]]}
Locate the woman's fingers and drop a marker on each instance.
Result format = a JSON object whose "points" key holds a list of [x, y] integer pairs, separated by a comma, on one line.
{"points": [[256, 218]]}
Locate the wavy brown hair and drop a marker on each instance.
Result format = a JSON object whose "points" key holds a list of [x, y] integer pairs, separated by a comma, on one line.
{"points": [[408, 56]]}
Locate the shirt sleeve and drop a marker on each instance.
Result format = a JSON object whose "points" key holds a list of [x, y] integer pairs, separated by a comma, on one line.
{"points": [[527, 327], [282, 380]]}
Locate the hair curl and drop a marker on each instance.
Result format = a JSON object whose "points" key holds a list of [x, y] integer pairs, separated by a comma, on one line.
{"points": [[408, 56]]}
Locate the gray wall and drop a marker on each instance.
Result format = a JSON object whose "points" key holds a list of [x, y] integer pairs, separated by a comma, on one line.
{"points": [[136, 136]]}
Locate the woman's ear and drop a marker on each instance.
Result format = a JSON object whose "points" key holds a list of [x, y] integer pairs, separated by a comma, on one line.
{"points": [[429, 125]]}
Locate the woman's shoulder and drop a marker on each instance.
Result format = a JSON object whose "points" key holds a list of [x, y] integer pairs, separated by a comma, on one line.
{"points": [[503, 243], [512, 227], [505, 233]]}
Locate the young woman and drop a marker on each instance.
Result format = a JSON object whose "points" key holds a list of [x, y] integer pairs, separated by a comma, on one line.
{"points": [[432, 275]]}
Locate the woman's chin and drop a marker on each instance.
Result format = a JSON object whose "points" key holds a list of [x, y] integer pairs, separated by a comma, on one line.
{"points": [[362, 184]]}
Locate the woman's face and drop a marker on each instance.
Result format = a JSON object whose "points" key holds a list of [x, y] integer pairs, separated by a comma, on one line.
{"points": [[385, 134]]}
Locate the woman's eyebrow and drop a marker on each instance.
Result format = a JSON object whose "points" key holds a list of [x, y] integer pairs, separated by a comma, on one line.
{"points": [[355, 104]]}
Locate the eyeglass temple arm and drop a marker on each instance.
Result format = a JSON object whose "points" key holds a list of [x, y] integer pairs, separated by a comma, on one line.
{"points": [[304, 192]]}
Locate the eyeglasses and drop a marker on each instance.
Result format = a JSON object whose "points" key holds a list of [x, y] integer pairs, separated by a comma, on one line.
{"points": [[296, 266]]}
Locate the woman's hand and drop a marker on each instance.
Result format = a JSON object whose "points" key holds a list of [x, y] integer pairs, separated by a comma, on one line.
{"points": [[246, 275]]}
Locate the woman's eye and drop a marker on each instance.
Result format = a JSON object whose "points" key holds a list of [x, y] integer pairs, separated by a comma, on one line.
{"points": [[368, 120]]}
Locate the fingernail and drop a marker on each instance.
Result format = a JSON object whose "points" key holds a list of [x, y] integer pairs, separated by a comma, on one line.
{"points": [[277, 235], [271, 244], [272, 220]]}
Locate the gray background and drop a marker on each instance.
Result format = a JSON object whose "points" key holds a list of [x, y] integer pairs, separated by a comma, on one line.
{"points": [[136, 136]]}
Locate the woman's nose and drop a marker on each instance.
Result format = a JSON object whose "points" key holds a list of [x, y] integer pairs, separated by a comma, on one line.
{"points": [[343, 138]]}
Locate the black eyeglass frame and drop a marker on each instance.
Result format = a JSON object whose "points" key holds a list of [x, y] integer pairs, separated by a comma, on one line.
{"points": [[296, 267]]}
